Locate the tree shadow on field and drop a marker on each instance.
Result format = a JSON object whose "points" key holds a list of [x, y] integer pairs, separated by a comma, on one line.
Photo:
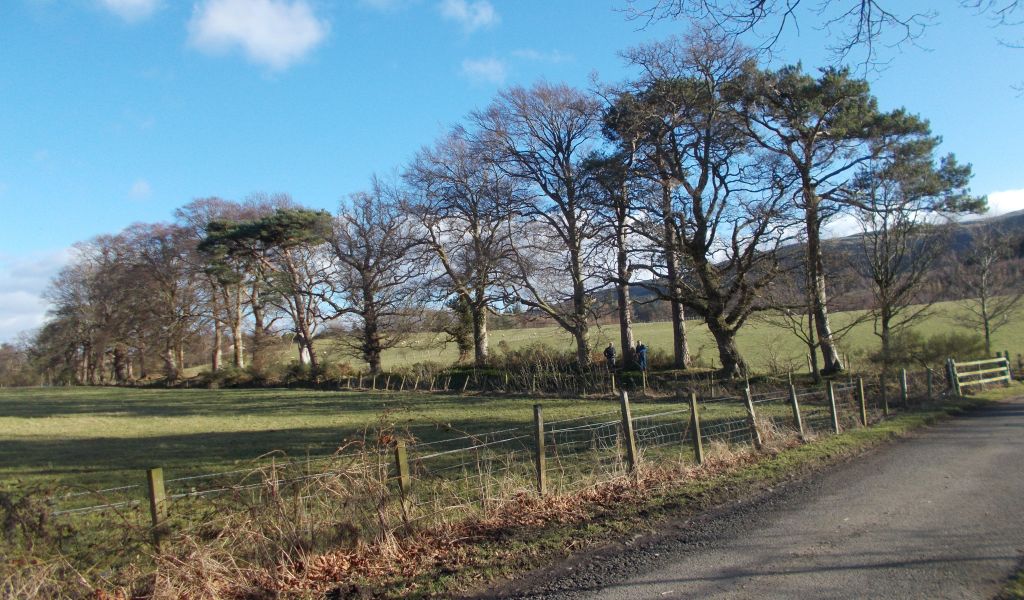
{"points": [[51, 402], [109, 460]]}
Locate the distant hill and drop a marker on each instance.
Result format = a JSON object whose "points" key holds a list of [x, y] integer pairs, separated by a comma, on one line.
{"points": [[843, 252]]}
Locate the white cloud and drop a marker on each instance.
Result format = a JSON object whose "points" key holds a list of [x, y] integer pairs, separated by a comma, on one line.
{"points": [[275, 33], [471, 15], [131, 10], [841, 226], [140, 190], [22, 281], [490, 70], [1000, 203], [554, 56]]}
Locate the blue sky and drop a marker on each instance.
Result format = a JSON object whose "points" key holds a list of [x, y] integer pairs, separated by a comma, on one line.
{"points": [[116, 111]]}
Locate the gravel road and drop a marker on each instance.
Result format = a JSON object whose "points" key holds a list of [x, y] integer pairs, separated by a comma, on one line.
{"points": [[939, 514]]}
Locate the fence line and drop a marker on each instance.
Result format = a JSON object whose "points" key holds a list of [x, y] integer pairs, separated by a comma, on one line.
{"points": [[582, 451]]}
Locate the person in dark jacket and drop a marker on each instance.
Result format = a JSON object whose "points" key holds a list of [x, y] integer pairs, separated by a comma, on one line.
{"points": [[609, 355], [641, 356]]}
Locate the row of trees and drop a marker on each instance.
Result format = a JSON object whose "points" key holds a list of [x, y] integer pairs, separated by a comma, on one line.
{"points": [[693, 182]]}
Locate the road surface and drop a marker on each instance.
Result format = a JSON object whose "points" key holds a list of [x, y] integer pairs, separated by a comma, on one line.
{"points": [[939, 514]]}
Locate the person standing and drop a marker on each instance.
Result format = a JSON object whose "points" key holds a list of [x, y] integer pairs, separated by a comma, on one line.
{"points": [[641, 356], [609, 356]]}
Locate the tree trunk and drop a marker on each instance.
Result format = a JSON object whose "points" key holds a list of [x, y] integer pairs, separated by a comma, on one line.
{"points": [[733, 365], [622, 290], [258, 330], [812, 345], [238, 337], [170, 368], [303, 350], [816, 277], [122, 365], [680, 348], [480, 335], [625, 326], [582, 345], [216, 352], [142, 363]]}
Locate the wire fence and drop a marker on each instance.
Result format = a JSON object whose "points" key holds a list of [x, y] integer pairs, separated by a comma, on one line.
{"points": [[385, 483]]}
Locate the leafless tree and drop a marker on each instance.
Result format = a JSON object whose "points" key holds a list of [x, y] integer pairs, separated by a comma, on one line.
{"points": [[465, 207], [541, 136], [859, 27], [378, 270], [991, 278]]}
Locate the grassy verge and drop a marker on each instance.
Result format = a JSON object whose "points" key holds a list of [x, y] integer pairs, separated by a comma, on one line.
{"points": [[1014, 589], [519, 550]]}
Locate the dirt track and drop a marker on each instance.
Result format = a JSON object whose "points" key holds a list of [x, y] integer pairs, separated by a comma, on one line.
{"points": [[936, 515]]}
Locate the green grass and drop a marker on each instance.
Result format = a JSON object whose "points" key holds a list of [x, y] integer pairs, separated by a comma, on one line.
{"points": [[763, 345], [98, 437], [1014, 589]]}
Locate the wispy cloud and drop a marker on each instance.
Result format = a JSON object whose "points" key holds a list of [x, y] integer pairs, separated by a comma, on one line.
{"points": [[131, 10], [140, 190], [472, 15], [22, 281], [487, 70], [274, 33], [554, 56]]}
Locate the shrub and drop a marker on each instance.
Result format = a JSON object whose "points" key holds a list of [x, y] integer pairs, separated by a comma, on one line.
{"points": [[911, 348]]}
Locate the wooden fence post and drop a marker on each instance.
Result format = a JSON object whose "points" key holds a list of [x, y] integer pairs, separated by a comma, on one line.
{"points": [[796, 410], [157, 503], [612, 376], [539, 452], [884, 392], [402, 462], [752, 418], [904, 394], [698, 445], [863, 402], [627, 430], [831, 393], [955, 378]]}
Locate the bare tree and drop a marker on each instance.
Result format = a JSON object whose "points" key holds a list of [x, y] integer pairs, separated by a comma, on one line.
{"points": [[465, 206], [897, 202], [991, 278], [541, 136], [377, 272], [862, 26]]}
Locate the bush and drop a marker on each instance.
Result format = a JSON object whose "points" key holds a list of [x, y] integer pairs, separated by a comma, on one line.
{"points": [[911, 348]]}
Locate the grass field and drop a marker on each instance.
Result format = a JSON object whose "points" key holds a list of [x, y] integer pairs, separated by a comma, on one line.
{"points": [[98, 437], [106, 436], [763, 345]]}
